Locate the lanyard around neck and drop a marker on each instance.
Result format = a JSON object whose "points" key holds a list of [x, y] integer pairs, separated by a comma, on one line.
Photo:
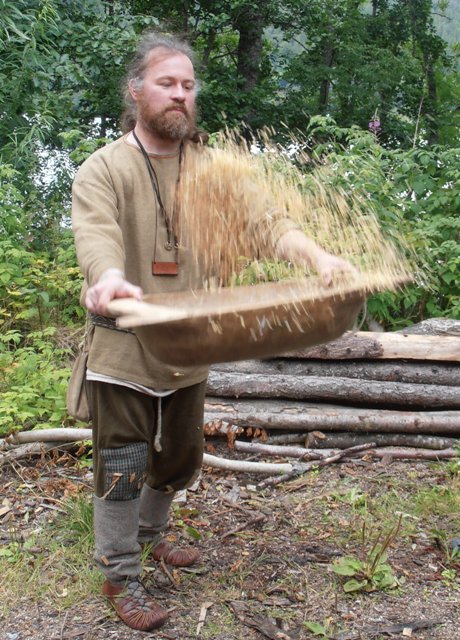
{"points": [[163, 268]]}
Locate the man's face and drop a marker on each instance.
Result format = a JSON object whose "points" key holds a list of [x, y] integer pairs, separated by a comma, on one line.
{"points": [[166, 99]]}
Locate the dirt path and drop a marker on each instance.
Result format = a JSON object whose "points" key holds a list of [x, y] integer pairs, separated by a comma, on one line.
{"points": [[265, 570]]}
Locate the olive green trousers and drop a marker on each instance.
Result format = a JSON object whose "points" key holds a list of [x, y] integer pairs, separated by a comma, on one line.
{"points": [[126, 427]]}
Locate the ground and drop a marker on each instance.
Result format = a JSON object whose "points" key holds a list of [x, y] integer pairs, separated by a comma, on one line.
{"points": [[266, 555]]}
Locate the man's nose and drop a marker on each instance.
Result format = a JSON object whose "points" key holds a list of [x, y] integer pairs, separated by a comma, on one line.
{"points": [[178, 93]]}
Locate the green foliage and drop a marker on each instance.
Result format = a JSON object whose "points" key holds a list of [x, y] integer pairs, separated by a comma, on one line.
{"points": [[61, 67], [38, 292], [33, 380], [68, 540], [325, 630], [416, 194], [78, 523], [373, 573], [81, 147]]}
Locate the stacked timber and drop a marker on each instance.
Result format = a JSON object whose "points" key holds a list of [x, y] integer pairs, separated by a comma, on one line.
{"points": [[393, 389]]}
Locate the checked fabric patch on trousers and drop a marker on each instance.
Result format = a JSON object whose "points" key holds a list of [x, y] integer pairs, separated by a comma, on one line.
{"points": [[124, 471]]}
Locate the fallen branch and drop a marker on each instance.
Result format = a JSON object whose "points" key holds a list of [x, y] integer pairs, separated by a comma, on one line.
{"points": [[25, 451], [173, 580], [256, 518], [277, 450], [404, 628], [202, 617], [301, 453], [50, 435], [296, 470], [319, 440], [247, 467], [414, 454]]}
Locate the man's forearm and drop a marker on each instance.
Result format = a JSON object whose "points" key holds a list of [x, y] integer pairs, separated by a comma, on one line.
{"points": [[298, 248]]}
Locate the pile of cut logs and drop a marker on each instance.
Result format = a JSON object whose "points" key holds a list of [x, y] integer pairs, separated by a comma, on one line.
{"points": [[382, 395], [399, 391]]}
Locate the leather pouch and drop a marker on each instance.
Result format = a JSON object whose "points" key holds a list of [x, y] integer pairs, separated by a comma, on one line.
{"points": [[77, 394]]}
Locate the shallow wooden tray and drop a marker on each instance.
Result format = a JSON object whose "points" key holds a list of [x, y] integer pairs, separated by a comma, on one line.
{"points": [[205, 327]]}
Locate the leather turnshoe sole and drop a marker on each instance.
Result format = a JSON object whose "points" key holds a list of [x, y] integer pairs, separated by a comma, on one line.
{"points": [[175, 556], [134, 605]]}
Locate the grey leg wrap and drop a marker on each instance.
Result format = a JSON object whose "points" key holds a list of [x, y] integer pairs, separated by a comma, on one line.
{"points": [[117, 552], [124, 471], [153, 515]]}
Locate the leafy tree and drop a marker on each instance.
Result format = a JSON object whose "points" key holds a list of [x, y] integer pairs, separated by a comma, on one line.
{"points": [[62, 62]]}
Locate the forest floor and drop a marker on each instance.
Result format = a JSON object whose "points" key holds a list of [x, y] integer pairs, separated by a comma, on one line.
{"points": [[266, 555]]}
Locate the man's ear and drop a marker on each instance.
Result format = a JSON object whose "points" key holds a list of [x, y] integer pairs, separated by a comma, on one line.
{"points": [[134, 88]]}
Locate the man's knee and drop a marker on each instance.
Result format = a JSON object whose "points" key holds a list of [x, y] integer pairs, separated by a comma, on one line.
{"points": [[124, 471]]}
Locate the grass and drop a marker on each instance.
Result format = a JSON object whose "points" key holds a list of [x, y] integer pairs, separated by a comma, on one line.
{"points": [[439, 501], [55, 565]]}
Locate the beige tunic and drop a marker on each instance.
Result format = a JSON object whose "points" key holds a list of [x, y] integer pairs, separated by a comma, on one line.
{"points": [[117, 224]]}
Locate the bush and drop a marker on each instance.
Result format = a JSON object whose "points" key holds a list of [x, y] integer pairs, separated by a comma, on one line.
{"points": [[416, 194], [39, 292]]}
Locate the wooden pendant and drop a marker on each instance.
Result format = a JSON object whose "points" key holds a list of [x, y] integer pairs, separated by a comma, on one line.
{"points": [[165, 268]]}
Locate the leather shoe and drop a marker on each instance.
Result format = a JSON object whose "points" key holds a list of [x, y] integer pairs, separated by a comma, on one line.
{"points": [[134, 605], [175, 556]]}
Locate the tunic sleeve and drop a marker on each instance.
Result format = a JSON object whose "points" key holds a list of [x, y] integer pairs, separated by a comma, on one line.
{"points": [[98, 236]]}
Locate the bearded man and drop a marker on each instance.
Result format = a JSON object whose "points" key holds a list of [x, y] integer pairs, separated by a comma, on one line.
{"points": [[147, 415]]}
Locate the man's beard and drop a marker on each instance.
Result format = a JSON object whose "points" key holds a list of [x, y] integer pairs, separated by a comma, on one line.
{"points": [[170, 123]]}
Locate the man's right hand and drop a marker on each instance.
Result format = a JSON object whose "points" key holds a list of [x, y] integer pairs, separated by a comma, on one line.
{"points": [[112, 284]]}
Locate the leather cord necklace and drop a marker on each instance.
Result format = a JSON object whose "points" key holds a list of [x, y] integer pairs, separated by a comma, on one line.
{"points": [[163, 268]]}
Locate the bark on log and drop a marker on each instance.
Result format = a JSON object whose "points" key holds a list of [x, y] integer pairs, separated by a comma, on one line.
{"points": [[393, 394], [304, 416], [282, 451], [417, 373], [52, 435], [344, 440], [374, 345], [323, 454], [331, 440], [434, 327], [288, 438]]}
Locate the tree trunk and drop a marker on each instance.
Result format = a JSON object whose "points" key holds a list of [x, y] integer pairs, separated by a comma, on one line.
{"points": [[431, 103], [328, 58], [303, 416], [249, 22], [344, 390]]}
